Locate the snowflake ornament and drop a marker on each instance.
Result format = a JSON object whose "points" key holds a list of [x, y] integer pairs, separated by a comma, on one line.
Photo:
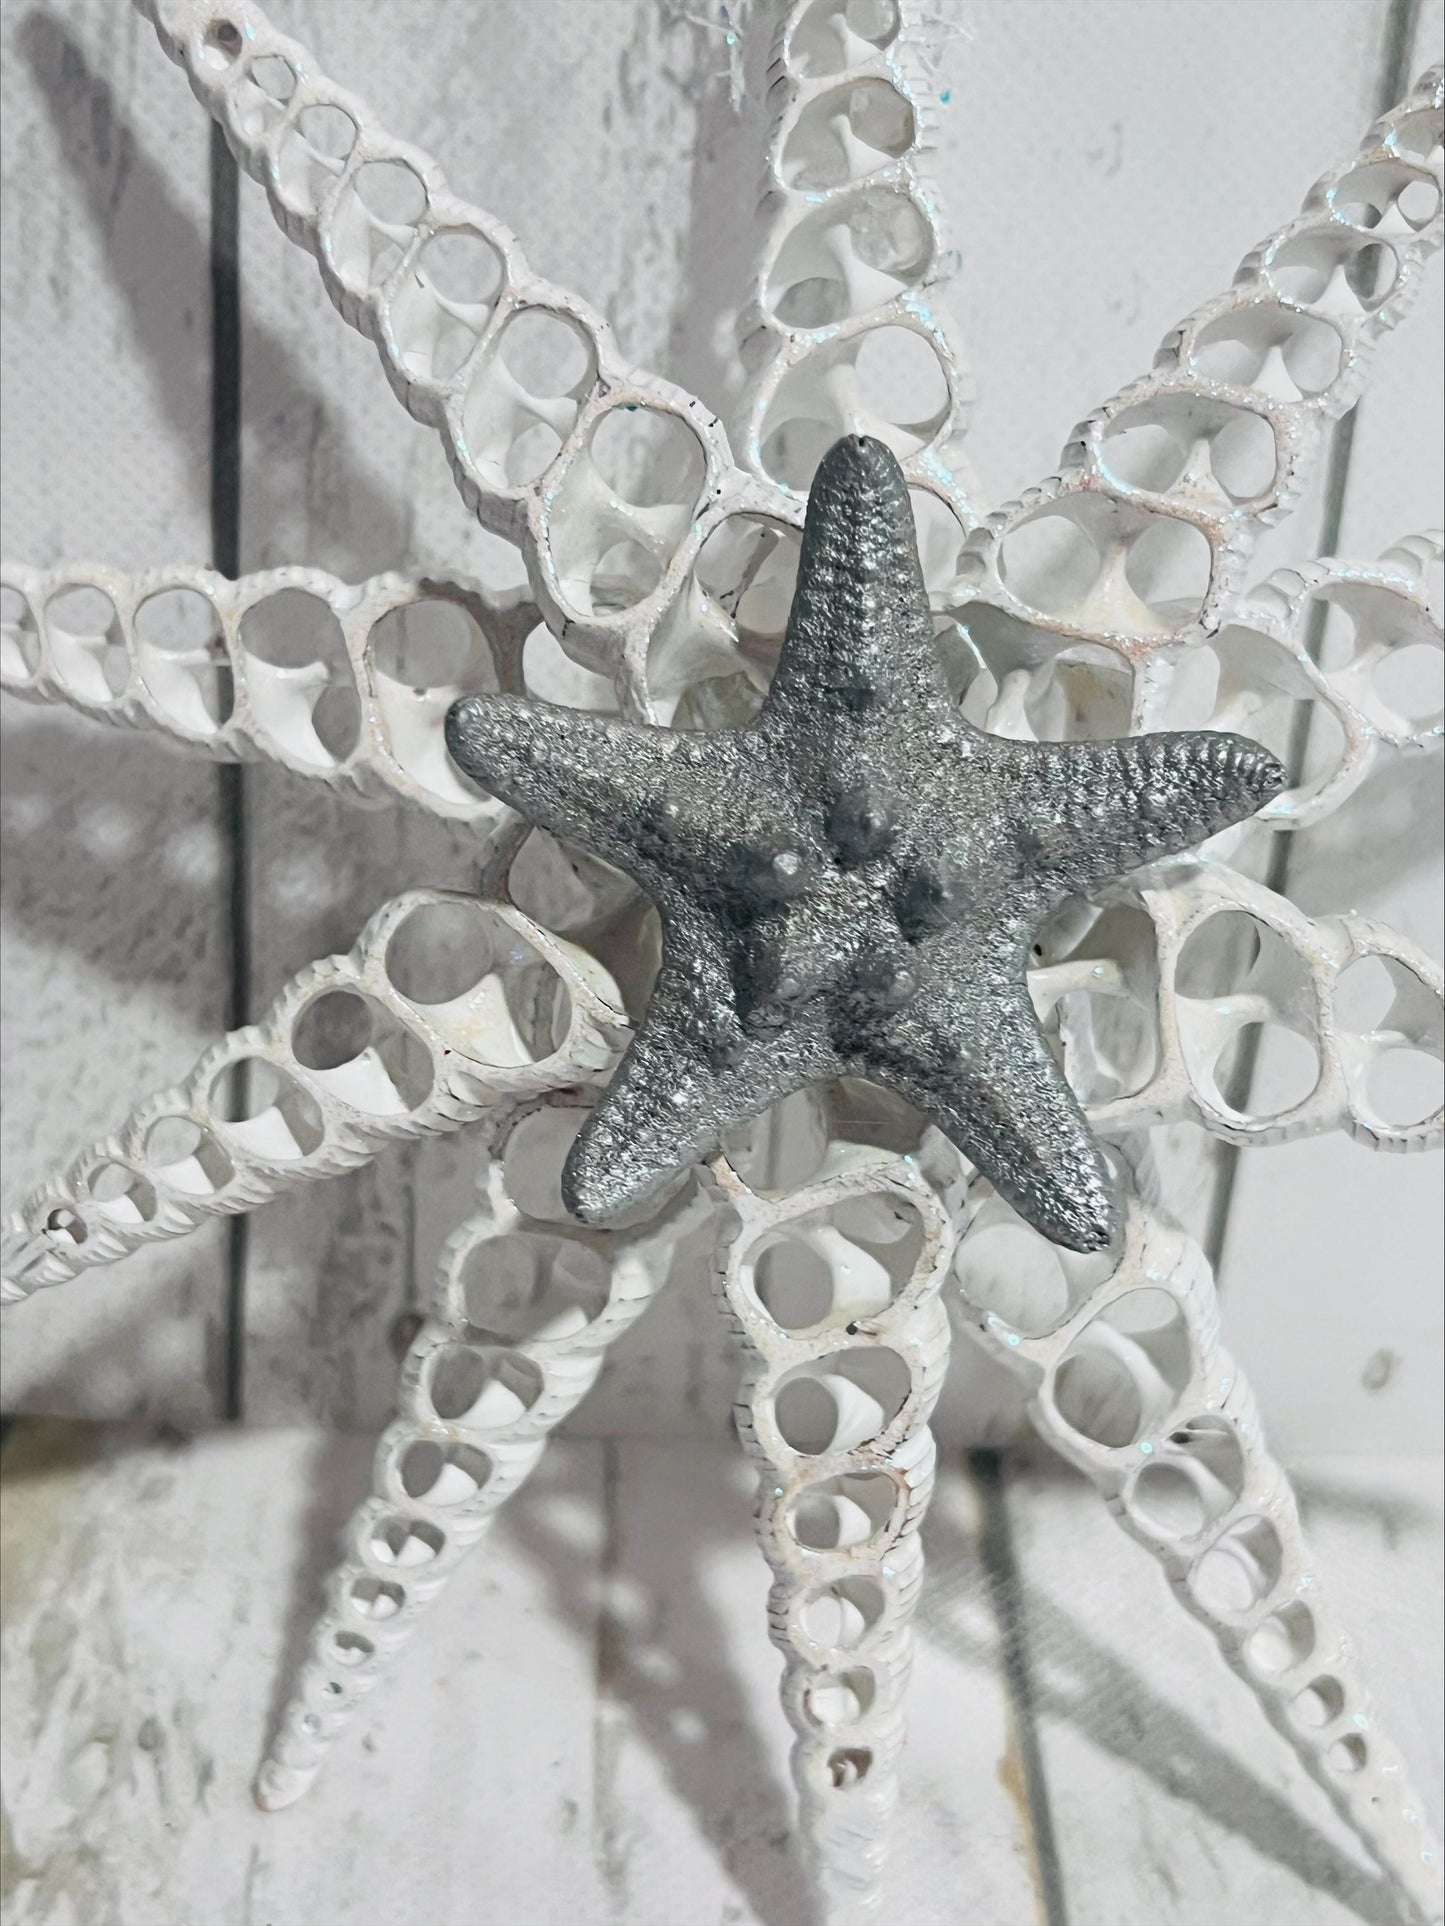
{"points": [[845, 1224]]}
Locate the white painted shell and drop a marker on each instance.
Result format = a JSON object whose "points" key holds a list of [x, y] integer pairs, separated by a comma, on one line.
{"points": [[347, 685], [343, 1063], [528, 1303], [662, 565]]}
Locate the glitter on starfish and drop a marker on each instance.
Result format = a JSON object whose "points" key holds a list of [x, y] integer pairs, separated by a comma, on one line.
{"points": [[850, 886]]}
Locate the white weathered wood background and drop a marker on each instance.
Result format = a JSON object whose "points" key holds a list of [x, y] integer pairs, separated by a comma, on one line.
{"points": [[585, 1729], [1102, 168]]}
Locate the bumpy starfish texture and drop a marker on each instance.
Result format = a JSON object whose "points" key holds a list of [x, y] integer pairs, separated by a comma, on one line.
{"points": [[850, 886]]}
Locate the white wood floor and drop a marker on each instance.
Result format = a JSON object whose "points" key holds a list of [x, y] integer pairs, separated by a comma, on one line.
{"points": [[585, 1729]]}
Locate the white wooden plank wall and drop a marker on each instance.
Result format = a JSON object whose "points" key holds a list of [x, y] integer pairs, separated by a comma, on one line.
{"points": [[116, 967], [1102, 169]]}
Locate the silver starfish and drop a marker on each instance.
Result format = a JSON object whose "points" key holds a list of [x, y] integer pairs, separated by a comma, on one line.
{"points": [[849, 887]]}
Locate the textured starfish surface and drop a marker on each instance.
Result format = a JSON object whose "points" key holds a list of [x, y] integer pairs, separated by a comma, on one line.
{"points": [[850, 886]]}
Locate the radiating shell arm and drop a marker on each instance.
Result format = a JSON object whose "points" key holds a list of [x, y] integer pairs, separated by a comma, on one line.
{"points": [[343, 1063], [1264, 653], [1153, 951], [1132, 1385], [528, 1304], [848, 303], [834, 1288], [539, 414], [1134, 550], [446, 295], [346, 684], [838, 1387]]}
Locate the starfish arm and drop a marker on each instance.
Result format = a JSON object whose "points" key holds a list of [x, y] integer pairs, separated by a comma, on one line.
{"points": [[286, 665], [970, 1052], [589, 778], [1085, 813], [659, 803], [691, 1075], [860, 636]]}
